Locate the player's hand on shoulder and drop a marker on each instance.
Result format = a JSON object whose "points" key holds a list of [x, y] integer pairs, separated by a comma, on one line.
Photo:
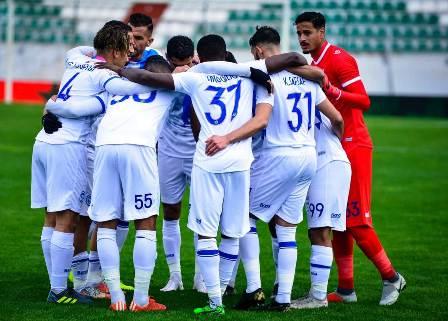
{"points": [[261, 78], [51, 123], [180, 69], [108, 65], [215, 144]]}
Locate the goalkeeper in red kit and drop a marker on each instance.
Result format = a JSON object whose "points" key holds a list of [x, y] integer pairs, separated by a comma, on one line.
{"points": [[344, 88]]}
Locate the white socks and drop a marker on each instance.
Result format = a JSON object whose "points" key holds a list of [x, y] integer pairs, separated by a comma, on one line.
{"points": [[320, 267], [45, 240], [80, 266], [61, 259], [208, 260], [286, 265], [171, 245], [250, 252], [228, 254], [94, 276], [110, 262], [145, 254], [232, 280], [122, 233]]}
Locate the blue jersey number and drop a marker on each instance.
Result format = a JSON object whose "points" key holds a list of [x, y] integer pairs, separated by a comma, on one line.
{"points": [[296, 109], [218, 102], [136, 98], [64, 93]]}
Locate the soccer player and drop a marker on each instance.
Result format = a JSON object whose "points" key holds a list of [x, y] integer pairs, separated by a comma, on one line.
{"points": [[175, 158], [220, 183], [59, 164], [81, 79], [265, 44], [345, 89]]}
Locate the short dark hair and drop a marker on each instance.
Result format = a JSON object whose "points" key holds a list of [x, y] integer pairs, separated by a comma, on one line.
{"points": [[230, 57], [316, 18], [158, 64], [180, 47], [264, 34], [141, 20], [211, 47], [118, 24], [111, 37]]}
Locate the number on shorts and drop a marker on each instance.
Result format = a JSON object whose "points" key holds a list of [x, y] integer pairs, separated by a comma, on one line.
{"points": [[318, 207], [143, 200], [353, 209]]}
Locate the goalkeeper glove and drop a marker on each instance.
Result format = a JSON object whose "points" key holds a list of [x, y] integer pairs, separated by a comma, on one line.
{"points": [[261, 78]]}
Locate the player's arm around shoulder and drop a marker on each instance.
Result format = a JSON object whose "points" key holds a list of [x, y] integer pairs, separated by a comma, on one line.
{"points": [[328, 109]]}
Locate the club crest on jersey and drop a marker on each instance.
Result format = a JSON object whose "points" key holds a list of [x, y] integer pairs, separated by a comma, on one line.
{"points": [[293, 81], [337, 52]]}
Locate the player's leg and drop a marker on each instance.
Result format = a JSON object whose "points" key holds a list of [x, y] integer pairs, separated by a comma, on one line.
{"points": [[172, 186], [145, 254], [140, 183], [122, 233], [234, 222], [206, 202], [326, 206], [106, 209], [80, 262], [45, 239]]}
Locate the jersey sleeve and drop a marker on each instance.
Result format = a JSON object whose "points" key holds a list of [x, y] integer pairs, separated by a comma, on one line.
{"points": [[347, 70], [79, 52], [77, 106], [186, 82], [320, 95], [101, 77], [262, 96], [257, 64]]}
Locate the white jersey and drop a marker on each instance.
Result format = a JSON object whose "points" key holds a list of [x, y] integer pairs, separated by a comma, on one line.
{"points": [[292, 120], [134, 120], [176, 139], [222, 104], [80, 79], [328, 146]]}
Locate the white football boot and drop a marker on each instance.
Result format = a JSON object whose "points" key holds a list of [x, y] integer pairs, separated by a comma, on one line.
{"points": [[309, 302], [391, 290]]}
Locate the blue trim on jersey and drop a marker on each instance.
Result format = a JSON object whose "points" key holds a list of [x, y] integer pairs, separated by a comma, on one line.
{"points": [[103, 105], [285, 245], [228, 256], [319, 266], [253, 230], [113, 77], [186, 110], [208, 252], [94, 260]]}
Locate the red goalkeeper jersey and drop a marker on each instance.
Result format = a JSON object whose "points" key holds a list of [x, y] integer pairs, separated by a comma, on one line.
{"points": [[342, 71]]}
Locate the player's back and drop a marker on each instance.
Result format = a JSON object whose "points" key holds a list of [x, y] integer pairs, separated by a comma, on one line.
{"points": [[80, 78], [135, 120], [222, 104], [292, 119], [328, 146]]}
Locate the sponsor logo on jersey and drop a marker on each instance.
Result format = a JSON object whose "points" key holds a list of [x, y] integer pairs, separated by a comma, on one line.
{"points": [[198, 220], [335, 215], [321, 153], [82, 196], [337, 52], [262, 205]]}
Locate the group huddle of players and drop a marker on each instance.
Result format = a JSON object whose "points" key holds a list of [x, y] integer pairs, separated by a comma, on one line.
{"points": [[255, 141]]}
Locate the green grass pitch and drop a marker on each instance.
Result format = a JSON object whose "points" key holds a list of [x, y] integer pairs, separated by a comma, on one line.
{"points": [[410, 195]]}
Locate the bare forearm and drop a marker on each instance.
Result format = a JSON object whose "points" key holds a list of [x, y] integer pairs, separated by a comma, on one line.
{"points": [[249, 129], [308, 72], [147, 78]]}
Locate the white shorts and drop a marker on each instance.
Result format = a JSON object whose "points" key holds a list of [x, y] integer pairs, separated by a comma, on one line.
{"points": [[125, 183], [90, 150], [327, 196], [175, 174], [219, 199], [280, 180], [58, 176]]}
